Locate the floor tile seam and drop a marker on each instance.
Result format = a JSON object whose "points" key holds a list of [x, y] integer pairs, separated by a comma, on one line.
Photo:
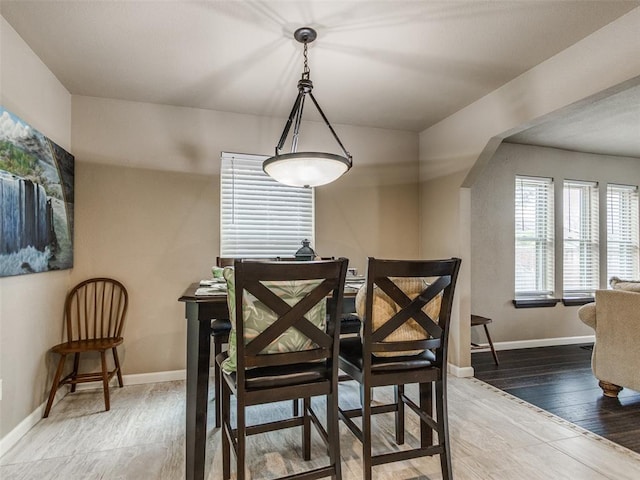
{"points": [[166, 444], [619, 448], [517, 452], [608, 443], [580, 430]]}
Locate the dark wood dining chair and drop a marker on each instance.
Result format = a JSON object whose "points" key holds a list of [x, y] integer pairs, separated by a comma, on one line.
{"points": [[268, 371], [221, 327], [417, 354], [95, 312]]}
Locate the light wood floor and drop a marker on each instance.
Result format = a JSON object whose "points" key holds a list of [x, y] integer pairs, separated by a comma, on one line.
{"points": [[493, 436]]}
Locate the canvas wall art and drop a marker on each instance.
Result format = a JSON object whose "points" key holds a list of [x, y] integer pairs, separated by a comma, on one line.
{"points": [[36, 200]]}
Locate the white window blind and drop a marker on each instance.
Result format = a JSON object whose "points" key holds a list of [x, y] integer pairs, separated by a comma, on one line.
{"points": [[622, 232], [260, 217], [534, 236], [581, 238]]}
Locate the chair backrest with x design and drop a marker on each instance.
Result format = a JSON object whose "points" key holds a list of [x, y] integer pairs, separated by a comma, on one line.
{"points": [[292, 297], [383, 279]]}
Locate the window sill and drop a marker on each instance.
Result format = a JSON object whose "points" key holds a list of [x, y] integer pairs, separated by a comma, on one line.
{"points": [[535, 302], [577, 301]]}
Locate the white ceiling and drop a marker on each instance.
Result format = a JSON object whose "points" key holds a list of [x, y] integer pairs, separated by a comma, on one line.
{"points": [[390, 64], [609, 125]]}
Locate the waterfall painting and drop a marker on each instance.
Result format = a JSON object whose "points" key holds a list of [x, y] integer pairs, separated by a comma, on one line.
{"points": [[36, 200]]}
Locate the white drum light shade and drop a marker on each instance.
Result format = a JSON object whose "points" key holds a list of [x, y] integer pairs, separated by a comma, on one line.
{"points": [[305, 169]]}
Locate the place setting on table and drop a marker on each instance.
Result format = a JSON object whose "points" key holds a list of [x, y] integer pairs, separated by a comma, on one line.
{"points": [[211, 287], [217, 285], [353, 281]]}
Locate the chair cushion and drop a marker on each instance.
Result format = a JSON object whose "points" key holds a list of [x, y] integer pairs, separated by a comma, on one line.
{"points": [[384, 308], [587, 313], [220, 328], [628, 285], [350, 323], [257, 317], [270, 377], [279, 376], [351, 352]]}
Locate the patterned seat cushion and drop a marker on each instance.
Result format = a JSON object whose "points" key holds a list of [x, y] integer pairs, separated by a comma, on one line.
{"points": [[257, 317], [384, 308]]}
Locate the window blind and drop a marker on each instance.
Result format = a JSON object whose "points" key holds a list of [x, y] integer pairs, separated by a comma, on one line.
{"points": [[581, 238], [622, 232], [260, 217], [534, 237]]}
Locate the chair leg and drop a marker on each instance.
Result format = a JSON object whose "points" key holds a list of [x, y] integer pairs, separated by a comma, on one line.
{"points": [[296, 408], [493, 350], [426, 405], [241, 441], [55, 385], [105, 380], [217, 384], [333, 431], [74, 373], [365, 395], [116, 361], [225, 402], [443, 429], [306, 428], [399, 391]]}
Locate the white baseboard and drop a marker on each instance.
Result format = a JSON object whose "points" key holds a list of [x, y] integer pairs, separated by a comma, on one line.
{"points": [[11, 438], [139, 379], [461, 372], [155, 377], [540, 342]]}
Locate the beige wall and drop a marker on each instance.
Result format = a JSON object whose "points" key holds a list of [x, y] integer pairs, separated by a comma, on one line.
{"points": [[147, 206], [441, 231], [462, 143], [492, 237], [30, 305]]}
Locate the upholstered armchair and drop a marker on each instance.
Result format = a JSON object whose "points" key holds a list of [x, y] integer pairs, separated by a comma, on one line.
{"points": [[615, 317]]}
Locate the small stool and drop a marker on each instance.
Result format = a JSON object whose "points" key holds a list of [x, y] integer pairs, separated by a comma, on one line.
{"points": [[477, 320]]}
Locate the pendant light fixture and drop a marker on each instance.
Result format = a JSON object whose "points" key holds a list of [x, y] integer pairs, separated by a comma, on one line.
{"points": [[305, 169]]}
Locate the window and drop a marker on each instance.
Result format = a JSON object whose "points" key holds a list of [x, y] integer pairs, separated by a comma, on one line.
{"points": [[622, 232], [260, 217], [534, 237], [581, 245]]}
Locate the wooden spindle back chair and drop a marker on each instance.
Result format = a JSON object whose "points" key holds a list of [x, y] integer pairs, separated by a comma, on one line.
{"points": [[95, 311]]}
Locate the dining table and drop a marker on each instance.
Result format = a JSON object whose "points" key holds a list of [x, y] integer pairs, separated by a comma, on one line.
{"points": [[203, 305]]}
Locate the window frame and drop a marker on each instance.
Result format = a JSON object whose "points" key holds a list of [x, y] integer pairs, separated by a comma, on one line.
{"points": [[543, 212], [581, 236], [290, 218], [622, 227]]}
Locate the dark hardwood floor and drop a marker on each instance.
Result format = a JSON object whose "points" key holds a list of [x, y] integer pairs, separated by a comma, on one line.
{"points": [[559, 380]]}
